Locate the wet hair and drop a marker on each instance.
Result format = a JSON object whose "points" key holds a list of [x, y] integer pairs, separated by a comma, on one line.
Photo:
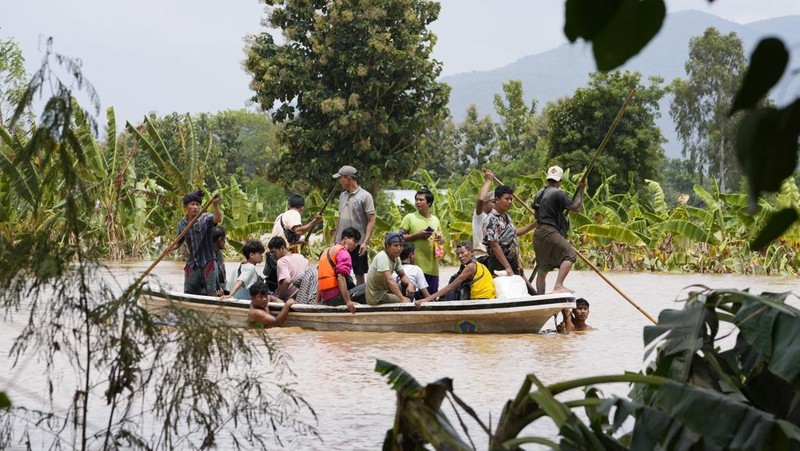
{"points": [[581, 302], [464, 244], [257, 288], [276, 242], [502, 189], [217, 232], [252, 246], [425, 192], [351, 232], [408, 249], [296, 201]]}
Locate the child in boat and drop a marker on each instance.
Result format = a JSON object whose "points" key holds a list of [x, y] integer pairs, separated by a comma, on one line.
{"points": [[575, 319], [381, 285], [472, 281], [219, 238], [201, 269], [253, 252], [290, 268], [414, 272], [259, 307]]}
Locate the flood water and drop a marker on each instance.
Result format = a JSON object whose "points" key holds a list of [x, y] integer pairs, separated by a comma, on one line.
{"points": [[354, 405]]}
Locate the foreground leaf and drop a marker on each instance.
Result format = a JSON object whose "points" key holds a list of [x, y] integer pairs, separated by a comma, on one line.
{"points": [[767, 65]]}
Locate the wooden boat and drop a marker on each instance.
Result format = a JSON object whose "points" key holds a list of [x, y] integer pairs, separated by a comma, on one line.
{"points": [[483, 316]]}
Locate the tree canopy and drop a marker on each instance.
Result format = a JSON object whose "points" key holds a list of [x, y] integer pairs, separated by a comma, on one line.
{"points": [[701, 103], [577, 125], [353, 82]]}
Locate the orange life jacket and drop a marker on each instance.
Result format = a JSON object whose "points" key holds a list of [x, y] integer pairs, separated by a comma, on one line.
{"points": [[326, 273]]}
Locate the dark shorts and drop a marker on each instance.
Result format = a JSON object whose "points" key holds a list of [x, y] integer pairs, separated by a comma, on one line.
{"points": [[433, 283], [357, 295], [360, 263], [493, 265], [551, 249], [201, 280]]}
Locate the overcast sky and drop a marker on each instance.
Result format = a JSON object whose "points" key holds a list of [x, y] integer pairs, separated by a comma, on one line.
{"points": [[185, 55]]}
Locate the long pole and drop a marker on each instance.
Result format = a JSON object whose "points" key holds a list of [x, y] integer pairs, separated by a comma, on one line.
{"points": [[590, 264], [169, 248], [321, 210]]}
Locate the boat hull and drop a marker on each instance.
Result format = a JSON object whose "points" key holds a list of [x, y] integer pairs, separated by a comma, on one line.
{"points": [[518, 315]]}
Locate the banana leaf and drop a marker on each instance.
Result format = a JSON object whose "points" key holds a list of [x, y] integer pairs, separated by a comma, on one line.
{"points": [[613, 232], [686, 229]]}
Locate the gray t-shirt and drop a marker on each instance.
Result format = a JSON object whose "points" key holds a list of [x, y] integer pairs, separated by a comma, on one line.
{"points": [[377, 288], [551, 207], [353, 211]]}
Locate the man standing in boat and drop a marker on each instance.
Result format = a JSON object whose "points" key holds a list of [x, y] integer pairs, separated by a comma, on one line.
{"points": [[500, 235], [357, 210], [550, 239], [483, 206], [200, 272], [289, 225]]}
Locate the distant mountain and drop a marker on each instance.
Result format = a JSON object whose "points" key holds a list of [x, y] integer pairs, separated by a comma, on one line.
{"points": [[558, 72]]}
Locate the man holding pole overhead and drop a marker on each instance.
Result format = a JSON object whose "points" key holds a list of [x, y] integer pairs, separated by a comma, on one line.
{"points": [[550, 238]]}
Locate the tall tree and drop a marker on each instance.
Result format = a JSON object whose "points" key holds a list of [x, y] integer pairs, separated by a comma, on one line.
{"points": [[354, 83], [442, 143], [515, 128], [702, 102], [577, 125], [477, 140]]}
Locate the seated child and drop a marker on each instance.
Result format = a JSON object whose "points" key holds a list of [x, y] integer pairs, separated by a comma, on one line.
{"points": [[253, 252], [414, 272], [259, 307]]}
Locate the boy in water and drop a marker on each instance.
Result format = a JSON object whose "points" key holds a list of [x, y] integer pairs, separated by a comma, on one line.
{"points": [[575, 319], [259, 307]]}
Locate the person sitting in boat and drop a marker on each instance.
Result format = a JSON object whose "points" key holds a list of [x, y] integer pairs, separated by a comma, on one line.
{"points": [[253, 252], [381, 285], [414, 272], [472, 281], [333, 272], [259, 307], [289, 225], [201, 269], [575, 319], [220, 239], [290, 268]]}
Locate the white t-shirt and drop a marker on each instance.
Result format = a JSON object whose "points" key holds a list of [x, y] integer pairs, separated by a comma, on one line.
{"points": [[478, 248], [291, 218], [415, 275], [248, 276]]}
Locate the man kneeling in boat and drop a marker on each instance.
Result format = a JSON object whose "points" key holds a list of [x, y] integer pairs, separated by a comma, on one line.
{"points": [[259, 307], [472, 281], [575, 319], [381, 286]]}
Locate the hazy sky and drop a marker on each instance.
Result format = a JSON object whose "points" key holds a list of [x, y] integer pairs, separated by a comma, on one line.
{"points": [[185, 55]]}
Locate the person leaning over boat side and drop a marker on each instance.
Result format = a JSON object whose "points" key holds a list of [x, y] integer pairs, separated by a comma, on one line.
{"points": [[259, 307], [381, 286], [334, 269], [575, 319], [483, 206], [422, 228], [290, 268], [253, 252], [289, 224], [500, 235], [414, 272], [200, 271], [472, 277], [357, 210], [550, 239], [219, 239]]}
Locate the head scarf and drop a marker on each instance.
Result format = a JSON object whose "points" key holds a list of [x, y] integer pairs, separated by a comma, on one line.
{"points": [[196, 196], [393, 237]]}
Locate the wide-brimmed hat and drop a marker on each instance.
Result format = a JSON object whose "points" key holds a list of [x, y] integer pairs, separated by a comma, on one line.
{"points": [[345, 170], [555, 173]]}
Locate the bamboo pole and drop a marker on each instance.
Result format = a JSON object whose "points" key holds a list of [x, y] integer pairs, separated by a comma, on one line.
{"points": [[321, 210]]}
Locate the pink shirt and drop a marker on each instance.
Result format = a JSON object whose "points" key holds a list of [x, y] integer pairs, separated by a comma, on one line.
{"points": [[290, 267], [344, 264]]}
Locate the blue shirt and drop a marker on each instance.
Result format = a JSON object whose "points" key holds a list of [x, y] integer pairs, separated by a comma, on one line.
{"points": [[198, 240]]}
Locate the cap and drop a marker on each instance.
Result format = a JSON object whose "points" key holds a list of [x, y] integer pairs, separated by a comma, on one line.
{"points": [[393, 237], [345, 170], [555, 173]]}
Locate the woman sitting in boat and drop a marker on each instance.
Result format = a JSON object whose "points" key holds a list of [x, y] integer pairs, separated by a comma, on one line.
{"points": [[472, 281]]}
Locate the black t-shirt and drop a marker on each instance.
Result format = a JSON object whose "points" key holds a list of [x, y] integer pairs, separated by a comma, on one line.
{"points": [[551, 207]]}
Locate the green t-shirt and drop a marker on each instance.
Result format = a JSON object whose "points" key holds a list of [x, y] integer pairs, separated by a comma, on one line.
{"points": [[413, 223], [376, 280]]}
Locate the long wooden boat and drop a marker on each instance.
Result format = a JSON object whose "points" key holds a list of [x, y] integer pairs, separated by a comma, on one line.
{"points": [[484, 316]]}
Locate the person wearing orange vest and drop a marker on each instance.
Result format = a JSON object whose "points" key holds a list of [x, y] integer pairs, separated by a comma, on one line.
{"points": [[335, 265]]}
